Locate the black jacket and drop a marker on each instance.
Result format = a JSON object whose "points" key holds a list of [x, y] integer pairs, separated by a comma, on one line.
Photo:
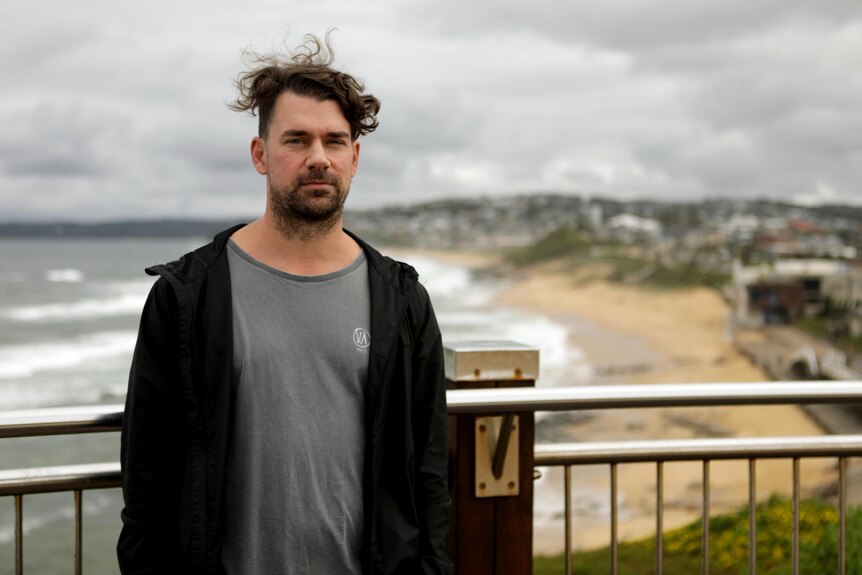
{"points": [[177, 417]]}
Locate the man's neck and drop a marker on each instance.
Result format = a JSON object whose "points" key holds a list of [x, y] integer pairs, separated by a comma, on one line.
{"points": [[308, 256]]}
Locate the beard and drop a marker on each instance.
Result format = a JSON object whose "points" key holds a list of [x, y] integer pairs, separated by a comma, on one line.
{"points": [[308, 213]]}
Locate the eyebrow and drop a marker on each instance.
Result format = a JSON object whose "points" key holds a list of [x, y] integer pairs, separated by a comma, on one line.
{"points": [[337, 134]]}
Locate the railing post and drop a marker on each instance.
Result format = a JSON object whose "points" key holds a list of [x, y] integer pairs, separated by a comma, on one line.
{"points": [[491, 530]]}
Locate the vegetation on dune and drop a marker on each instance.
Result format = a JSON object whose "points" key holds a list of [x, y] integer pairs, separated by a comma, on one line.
{"points": [[562, 242], [728, 545], [625, 263]]}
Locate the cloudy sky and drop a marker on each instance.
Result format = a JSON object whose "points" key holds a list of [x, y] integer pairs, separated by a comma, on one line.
{"points": [[118, 109]]}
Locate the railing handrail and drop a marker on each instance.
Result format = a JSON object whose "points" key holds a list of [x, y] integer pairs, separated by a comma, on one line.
{"points": [[105, 475], [602, 452], [61, 420], [90, 419], [101, 475], [59, 478], [501, 400]]}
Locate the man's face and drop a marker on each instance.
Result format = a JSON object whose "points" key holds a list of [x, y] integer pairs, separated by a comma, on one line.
{"points": [[308, 159]]}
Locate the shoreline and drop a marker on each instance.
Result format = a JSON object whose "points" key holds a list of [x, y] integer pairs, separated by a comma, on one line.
{"points": [[682, 336], [633, 335]]}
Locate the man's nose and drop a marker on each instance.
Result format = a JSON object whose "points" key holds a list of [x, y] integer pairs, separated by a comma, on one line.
{"points": [[317, 157]]}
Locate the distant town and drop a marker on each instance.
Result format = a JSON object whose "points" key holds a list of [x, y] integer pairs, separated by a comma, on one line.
{"points": [[777, 264], [732, 227]]}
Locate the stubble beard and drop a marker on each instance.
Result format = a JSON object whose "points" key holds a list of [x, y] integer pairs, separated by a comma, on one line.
{"points": [[303, 214]]}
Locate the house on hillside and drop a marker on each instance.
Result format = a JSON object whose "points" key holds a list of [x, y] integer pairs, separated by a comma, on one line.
{"points": [[629, 228], [785, 290]]}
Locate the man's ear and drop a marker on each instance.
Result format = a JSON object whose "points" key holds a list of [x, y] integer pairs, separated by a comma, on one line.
{"points": [[258, 155], [355, 156]]}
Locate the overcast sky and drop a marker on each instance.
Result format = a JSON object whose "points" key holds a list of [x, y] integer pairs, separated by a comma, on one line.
{"points": [[118, 109]]}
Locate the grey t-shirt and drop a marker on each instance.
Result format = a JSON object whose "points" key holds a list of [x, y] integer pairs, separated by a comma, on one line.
{"points": [[293, 493]]}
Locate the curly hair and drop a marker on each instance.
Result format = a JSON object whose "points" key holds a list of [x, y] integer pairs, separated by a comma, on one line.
{"points": [[305, 72]]}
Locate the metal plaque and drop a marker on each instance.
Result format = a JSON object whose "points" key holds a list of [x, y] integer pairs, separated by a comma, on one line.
{"points": [[488, 432]]}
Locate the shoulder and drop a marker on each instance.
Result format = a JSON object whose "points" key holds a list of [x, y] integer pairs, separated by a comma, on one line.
{"points": [[398, 275], [195, 264]]}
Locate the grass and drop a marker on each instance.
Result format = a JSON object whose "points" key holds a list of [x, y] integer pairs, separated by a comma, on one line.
{"points": [[578, 249], [562, 242], [813, 325], [729, 545], [817, 327], [665, 277]]}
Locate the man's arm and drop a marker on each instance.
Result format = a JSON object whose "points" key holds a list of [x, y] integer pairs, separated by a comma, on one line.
{"points": [[430, 426], [153, 444]]}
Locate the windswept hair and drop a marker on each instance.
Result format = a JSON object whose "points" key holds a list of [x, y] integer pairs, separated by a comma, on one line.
{"points": [[307, 71]]}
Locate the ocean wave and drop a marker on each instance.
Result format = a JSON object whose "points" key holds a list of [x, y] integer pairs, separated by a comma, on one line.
{"points": [[33, 523], [25, 360], [68, 275], [465, 312], [562, 363], [79, 310], [447, 281], [77, 386], [127, 299]]}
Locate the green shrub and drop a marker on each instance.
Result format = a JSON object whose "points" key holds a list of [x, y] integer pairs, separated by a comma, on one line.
{"points": [[728, 545]]}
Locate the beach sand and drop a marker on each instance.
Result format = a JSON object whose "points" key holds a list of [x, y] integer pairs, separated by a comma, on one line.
{"points": [[634, 335]]}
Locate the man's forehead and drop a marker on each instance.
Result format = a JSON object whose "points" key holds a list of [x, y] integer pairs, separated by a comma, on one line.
{"points": [[294, 108]]}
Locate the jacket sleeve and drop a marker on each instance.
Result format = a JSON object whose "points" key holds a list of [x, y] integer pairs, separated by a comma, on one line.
{"points": [[430, 426], [153, 444]]}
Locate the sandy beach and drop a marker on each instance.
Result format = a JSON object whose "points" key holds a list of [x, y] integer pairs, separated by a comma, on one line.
{"points": [[635, 335]]}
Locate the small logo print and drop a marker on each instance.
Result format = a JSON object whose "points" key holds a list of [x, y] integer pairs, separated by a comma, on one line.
{"points": [[361, 338]]}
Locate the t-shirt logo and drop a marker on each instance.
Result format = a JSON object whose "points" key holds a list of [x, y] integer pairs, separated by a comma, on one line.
{"points": [[361, 338]]}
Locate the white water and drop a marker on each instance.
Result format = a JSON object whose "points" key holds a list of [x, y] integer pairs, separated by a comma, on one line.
{"points": [[466, 312], [69, 275], [22, 361]]}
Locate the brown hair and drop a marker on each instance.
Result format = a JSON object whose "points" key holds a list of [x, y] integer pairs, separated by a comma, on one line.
{"points": [[306, 72]]}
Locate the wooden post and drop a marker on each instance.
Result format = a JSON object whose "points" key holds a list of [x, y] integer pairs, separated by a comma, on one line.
{"points": [[490, 535]]}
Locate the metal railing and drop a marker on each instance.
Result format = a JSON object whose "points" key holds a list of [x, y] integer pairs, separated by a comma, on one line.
{"points": [[654, 395], [75, 478], [705, 450], [78, 478]]}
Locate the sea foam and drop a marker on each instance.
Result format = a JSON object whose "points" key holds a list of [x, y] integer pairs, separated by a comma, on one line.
{"points": [[127, 298], [69, 275], [447, 282], [24, 360], [466, 312]]}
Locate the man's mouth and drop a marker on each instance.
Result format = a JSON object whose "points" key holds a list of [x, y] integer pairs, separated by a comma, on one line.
{"points": [[317, 189], [309, 180]]}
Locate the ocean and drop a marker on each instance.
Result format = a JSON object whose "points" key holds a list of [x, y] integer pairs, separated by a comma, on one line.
{"points": [[69, 311]]}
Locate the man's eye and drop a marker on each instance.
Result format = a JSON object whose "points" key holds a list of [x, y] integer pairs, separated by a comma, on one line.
{"points": [[337, 142], [293, 141]]}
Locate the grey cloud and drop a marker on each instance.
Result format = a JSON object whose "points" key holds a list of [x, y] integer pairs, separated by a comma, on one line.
{"points": [[112, 112], [51, 141], [628, 24]]}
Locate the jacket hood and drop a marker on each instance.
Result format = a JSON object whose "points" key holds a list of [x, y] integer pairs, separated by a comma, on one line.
{"points": [[195, 263]]}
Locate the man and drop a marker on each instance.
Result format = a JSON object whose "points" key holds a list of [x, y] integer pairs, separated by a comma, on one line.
{"points": [[286, 406]]}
